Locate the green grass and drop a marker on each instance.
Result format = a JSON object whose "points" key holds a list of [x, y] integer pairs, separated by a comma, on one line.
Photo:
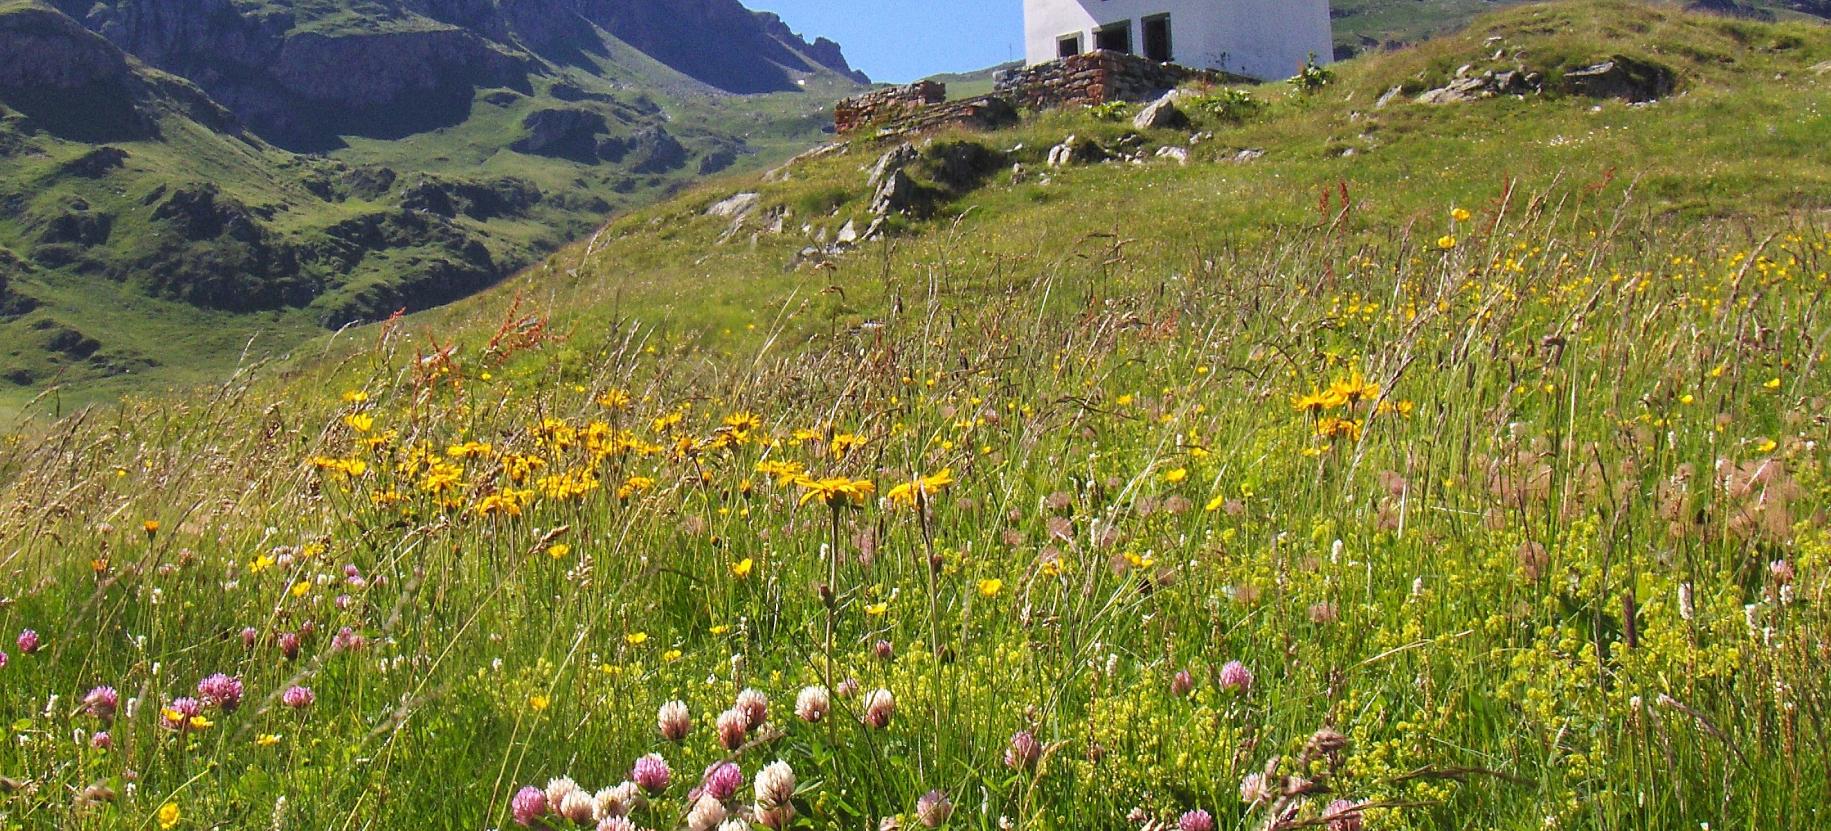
{"points": [[1592, 395]]}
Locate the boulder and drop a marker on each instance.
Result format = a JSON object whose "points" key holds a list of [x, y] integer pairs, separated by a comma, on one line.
{"points": [[896, 159], [1075, 150], [1623, 78], [898, 193], [737, 206], [1179, 154], [1163, 114]]}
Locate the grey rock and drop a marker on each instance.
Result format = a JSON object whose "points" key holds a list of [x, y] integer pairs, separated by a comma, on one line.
{"points": [[737, 206], [898, 158], [1249, 155], [1179, 154], [896, 194], [1161, 115]]}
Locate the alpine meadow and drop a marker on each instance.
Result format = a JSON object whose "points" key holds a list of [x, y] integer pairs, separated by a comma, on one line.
{"points": [[1437, 439]]}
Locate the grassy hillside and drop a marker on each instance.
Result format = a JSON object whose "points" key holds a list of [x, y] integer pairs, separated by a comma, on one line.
{"points": [[1468, 479], [159, 239], [1363, 25]]}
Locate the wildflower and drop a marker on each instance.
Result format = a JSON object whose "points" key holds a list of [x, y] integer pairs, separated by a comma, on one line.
{"points": [[915, 493], [221, 691], [674, 720], [182, 713], [775, 792], [28, 642], [990, 587], [813, 704], [539, 703], [1023, 752], [1236, 677], [847, 688], [1176, 476], [101, 740], [559, 551], [1196, 820], [298, 698], [836, 492], [877, 609], [651, 773], [558, 788], [1316, 402], [636, 638], [934, 808], [151, 527], [102, 702], [884, 650], [169, 815], [529, 805], [880, 705], [1256, 788], [1781, 570], [1460, 214], [1342, 815], [1446, 242], [616, 824], [706, 815], [347, 640], [722, 780], [1182, 684], [266, 740], [289, 644], [578, 807], [619, 801], [742, 568], [733, 726], [360, 422]]}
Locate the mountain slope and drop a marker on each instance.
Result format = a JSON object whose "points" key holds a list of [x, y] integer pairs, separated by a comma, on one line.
{"points": [[1361, 25], [187, 176]]}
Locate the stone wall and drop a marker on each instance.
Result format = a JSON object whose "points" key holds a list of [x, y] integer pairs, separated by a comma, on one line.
{"points": [[886, 105], [1096, 78]]}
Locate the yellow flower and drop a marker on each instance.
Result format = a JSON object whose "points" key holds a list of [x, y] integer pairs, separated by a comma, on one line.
{"points": [[916, 491], [266, 740], [1772, 384], [559, 550], [1446, 242], [1215, 504], [845, 443], [355, 397], [877, 609], [539, 703], [671, 655], [1177, 475], [1317, 402], [990, 587], [300, 588], [1138, 561], [1460, 215], [260, 564], [614, 399], [169, 815], [742, 568], [836, 492], [360, 422], [636, 638], [151, 526], [721, 629], [1768, 446]]}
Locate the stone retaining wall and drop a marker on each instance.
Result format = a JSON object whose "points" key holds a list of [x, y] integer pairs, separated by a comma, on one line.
{"points": [[886, 105], [1096, 78]]}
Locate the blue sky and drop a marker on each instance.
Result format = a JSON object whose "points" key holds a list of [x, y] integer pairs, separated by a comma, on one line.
{"points": [[903, 40]]}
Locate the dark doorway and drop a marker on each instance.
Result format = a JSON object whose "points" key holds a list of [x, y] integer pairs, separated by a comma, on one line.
{"points": [[1068, 46], [1116, 37], [1157, 39]]}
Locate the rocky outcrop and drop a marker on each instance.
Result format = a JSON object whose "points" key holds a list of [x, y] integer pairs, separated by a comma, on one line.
{"points": [[1622, 77], [1162, 114], [47, 51], [565, 133]]}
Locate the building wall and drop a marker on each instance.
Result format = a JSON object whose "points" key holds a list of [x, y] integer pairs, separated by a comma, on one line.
{"points": [[1266, 39]]}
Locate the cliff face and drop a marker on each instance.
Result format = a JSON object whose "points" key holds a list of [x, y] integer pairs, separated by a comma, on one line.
{"points": [[301, 79]]}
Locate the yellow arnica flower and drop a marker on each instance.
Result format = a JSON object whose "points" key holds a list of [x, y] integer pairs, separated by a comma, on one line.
{"points": [[742, 568], [169, 815], [1354, 389], [916, 491], [836, 492], [360, 422], [1317, 402], [990, 587]]}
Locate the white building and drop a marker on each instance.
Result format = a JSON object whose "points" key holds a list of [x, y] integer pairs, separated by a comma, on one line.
{"points": [[1267, 39]]}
